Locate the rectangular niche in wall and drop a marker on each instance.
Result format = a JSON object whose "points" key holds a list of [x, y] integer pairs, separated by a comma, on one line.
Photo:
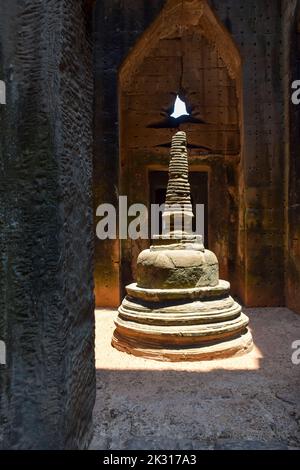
{"points": [[158, 181]]}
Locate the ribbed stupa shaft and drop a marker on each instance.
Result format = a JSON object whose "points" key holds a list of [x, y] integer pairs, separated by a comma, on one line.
{"points": [[178, 211]]}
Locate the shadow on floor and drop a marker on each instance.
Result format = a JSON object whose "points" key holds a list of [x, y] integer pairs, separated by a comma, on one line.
{"points": [[250, 402]]}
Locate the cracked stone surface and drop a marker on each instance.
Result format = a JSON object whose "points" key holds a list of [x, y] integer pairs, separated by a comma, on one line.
{"points": [[249, 402]]}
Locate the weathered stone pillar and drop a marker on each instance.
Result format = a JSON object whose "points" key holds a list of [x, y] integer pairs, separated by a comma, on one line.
{"points": [[46, 229]]}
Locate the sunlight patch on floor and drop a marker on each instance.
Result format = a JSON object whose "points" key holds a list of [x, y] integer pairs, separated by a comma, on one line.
{"points": [[109, 358]]}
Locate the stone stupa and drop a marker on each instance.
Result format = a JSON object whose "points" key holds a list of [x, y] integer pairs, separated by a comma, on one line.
{"points": [[179, 310]]}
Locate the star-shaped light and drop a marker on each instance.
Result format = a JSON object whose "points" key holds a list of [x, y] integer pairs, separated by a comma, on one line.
{"points": [[179, 108]]}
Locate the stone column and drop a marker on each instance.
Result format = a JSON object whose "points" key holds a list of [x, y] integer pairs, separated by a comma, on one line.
{"points": [[46, 226]]}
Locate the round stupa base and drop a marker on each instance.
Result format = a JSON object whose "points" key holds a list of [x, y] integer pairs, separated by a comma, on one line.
{"points": [[202, 323], [204, 352]]}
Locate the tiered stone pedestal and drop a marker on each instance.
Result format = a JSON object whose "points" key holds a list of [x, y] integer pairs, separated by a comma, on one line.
{"points": [[180, 324]]}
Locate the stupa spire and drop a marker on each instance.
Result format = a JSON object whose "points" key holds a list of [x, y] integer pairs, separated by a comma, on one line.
{"points": [[178, 211], [179, 309]]}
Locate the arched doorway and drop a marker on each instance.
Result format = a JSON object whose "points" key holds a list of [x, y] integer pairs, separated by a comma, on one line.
{"points": [[185, 52]]}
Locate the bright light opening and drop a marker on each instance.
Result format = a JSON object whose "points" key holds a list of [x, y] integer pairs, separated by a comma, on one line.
{"points": [[179, 108]]}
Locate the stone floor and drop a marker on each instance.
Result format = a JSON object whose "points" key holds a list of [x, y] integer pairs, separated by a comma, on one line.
{"points": [[248, 402]]}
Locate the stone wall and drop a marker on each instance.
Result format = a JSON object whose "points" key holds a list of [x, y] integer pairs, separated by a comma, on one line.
{"points": [[117, 25], [46, 297], [291, 38], [255, 27]]}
